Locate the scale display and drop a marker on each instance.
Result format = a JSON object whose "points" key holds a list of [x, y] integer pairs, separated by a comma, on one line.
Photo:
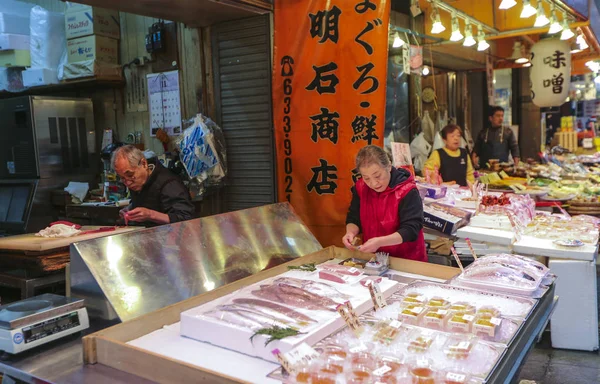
{"points": [[50, 327]]}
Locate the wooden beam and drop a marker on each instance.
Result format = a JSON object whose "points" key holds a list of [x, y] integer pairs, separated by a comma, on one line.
{"points": [[197, 13]]}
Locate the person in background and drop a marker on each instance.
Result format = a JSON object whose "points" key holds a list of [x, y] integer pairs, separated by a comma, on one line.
{"points": [[157, 195], [386, 208], [452, 161], [497, 141]]}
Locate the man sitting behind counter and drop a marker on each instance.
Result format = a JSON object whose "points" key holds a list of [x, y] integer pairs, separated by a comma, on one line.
{"points": [[157, 195]]}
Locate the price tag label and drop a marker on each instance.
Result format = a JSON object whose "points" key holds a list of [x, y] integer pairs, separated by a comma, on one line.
{"points": [[353, 270], [469, 317], [395, 324], [464, 345], [381, 371], [495, 321], [456, 377], [376, 295], [443, 312], [347, 313], [359, 348], [417, 310], [302, 354]]}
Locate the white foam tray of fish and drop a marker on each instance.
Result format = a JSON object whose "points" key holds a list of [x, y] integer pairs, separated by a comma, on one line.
{"points": [[294, 299], [509, 306]]}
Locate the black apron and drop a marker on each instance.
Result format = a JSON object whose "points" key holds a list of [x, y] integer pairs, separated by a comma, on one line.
{"points": [[491, 148], [454, 168]]}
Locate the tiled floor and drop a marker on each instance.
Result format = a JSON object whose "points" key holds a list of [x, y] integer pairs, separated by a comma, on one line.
{"points": [[556, 366]]}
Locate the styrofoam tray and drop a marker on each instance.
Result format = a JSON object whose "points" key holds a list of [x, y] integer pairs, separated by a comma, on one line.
{"points": [[491, 221], [534, 246], [169, 343], [486, 235], [196, 326]]}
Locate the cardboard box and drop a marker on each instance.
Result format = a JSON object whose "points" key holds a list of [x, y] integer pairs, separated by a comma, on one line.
{"points": [[13, 41], [444, 218], [92, 21], [99, 48], [432, 191], [15, 58], [35, 77], [15, 24], [574, 324], [92, 68]]}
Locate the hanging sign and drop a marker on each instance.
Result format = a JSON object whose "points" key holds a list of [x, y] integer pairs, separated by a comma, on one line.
{"points": [[329, 82], [550, 72]]}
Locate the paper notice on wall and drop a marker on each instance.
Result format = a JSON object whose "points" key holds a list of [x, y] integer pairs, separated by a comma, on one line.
{"points": [[489, 71], [165, 103], [401, 154]]}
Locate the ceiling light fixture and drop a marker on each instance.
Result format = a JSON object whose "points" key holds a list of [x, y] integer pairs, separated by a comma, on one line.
{"points": [[425, 71], [541, 19], [398, 42], [518, 55], [528, 10], [456, 34], [482, 45], [566, 32], [469, 40], [555, 26], [437, 26], [582, 43], [507, 4]]}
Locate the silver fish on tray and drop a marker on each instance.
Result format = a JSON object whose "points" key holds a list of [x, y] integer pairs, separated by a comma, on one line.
{"points": [[294, 296], [318, 288], [234, 318], [271, 307], [255, 315]]}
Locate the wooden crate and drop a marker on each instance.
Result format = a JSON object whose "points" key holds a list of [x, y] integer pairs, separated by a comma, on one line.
{"points": [[108, 347]]}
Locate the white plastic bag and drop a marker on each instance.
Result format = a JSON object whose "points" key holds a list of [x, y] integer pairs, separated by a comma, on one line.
{"points": [[428, 127], [438, 142], [420, 149], [48, 39]]}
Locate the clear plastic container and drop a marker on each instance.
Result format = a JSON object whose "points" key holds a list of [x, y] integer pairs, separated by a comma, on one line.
{"points": [[459, 347], [438, 302], [435, 318], [460, 322], [414, 298], [411, 313], [486, 325], [461, 306], [420, 340]]}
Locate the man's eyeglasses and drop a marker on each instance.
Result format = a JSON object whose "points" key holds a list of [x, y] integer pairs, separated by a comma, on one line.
{"points": [[129, 176]]}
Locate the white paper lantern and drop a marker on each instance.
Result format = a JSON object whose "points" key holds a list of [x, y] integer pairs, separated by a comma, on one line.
{"points": [[550, 72]]}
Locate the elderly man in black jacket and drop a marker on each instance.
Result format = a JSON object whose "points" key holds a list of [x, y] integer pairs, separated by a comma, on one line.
{"points": [[157, 195]]}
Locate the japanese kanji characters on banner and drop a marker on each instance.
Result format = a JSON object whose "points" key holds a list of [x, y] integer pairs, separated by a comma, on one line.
{"points": [[550, 72], [329, 78]]}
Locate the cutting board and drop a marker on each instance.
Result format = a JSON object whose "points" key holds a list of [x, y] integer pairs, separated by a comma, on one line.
{"points": [[33, 243]]}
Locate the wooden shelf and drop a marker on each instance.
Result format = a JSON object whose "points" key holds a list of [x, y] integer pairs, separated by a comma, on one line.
{"points": [[65, 86], [194, 13]]}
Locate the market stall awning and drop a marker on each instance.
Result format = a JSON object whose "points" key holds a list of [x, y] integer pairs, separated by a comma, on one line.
{"points": [[195, 13]]}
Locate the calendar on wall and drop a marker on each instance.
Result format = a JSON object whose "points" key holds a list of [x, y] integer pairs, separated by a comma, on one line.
{"points": [[165, 102]]}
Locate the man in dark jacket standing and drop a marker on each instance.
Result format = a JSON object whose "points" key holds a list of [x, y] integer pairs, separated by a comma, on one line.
{"points": [[496, 141], [157, 195]]}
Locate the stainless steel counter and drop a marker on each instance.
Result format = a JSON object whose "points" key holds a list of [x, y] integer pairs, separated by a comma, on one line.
{"points": [[62, 362]]}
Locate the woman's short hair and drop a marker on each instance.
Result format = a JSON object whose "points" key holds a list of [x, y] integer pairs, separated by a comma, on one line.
{"points": [[372, 154], [448, 129], [133, 155]]}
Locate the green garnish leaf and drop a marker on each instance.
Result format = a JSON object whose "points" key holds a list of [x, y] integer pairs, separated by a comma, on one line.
{"points": [[310, 267], [276, 333]]}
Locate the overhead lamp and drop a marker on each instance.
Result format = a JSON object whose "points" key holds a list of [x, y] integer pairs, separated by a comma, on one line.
{"points": [[582, 43], [566, 32], [456, 35], [541, 18], [425, 71], [437, 26], [469, 40], [482, 45], [527, 64], [555, 26], [528, 10], [518, 55], [507, 4], [593, 66], [398, 42]]}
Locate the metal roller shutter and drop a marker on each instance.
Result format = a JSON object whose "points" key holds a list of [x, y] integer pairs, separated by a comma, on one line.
{"points": [[242, 67]]}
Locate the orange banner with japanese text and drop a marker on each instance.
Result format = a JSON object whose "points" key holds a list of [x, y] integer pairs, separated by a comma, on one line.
{"points": [[329, 89]]}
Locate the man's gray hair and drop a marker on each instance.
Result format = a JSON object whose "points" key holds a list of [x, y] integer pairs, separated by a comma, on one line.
{"points": [[133, 155]]}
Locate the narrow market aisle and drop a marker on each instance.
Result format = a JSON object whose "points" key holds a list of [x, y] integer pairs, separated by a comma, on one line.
{"points": [[557, 366]]}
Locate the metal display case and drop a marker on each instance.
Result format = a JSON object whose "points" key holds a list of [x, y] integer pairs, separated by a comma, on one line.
{"points": [[125, 276]]}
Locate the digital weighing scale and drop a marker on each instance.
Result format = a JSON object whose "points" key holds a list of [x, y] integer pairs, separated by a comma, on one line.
{"points": [[38, 320]]}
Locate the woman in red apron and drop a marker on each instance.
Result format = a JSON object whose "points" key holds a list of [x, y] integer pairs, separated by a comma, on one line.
{"points": [[386, 207]]}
